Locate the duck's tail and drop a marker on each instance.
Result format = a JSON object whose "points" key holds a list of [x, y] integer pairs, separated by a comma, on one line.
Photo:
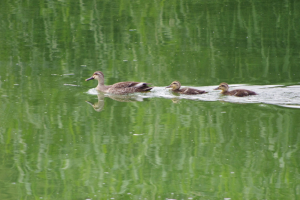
{"points": [[148, 89]]}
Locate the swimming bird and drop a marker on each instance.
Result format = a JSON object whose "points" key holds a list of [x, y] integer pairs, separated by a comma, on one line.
{"points": [[239, 92], [118, 88], [175, 85]]}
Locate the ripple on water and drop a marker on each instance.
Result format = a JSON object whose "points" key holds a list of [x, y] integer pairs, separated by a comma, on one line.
{"points": [[287, 96]]}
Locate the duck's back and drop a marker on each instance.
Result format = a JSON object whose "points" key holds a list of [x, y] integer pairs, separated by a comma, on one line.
{"points": [[241, 93], [128, 84], [128, 87], [190, 91]]}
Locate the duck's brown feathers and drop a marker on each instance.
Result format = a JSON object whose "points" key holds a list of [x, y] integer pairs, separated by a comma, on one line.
{"points": [[238, 92], [119, 88], [176, 87], [190, 91], [128, 87]]}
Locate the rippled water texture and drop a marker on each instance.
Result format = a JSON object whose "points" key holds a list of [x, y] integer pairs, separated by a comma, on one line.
{"points": [[60, 139]]}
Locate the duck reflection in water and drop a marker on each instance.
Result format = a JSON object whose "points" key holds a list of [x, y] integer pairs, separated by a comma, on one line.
{"points": [[98, 106]]}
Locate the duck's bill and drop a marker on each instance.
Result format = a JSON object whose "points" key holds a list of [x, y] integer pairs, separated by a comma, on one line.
{"points": [[217, 88], [89, 79], [169, 86]]}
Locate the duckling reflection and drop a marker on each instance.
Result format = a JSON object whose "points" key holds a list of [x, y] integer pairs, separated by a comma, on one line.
{"points": [[175, 100], [98, 106]]}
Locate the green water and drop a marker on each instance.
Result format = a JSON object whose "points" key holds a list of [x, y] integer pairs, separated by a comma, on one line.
{"points": [[55, 145]]}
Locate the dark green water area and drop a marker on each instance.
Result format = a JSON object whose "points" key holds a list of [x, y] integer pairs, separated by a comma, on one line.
{"points": [[60, 139]]}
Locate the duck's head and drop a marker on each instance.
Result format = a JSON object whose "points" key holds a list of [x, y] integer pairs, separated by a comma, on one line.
{"points": [[223, 86], [175, 85], [98, 75]]}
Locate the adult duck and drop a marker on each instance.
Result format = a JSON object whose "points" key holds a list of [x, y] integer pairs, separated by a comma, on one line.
{"points": [[118, 88]]}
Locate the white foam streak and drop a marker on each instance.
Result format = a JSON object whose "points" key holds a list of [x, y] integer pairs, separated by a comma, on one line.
{"points": [[287, 96]]}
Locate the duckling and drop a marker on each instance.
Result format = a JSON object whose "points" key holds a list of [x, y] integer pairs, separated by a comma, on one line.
{"points": [[175, 85], [239, 92], [119, 88]]}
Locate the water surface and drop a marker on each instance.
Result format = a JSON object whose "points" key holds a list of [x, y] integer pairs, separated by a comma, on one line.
{"points": [[60, 139]]}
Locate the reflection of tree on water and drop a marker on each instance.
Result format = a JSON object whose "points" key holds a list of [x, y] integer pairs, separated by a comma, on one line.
{"points": [[98, 106]]}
